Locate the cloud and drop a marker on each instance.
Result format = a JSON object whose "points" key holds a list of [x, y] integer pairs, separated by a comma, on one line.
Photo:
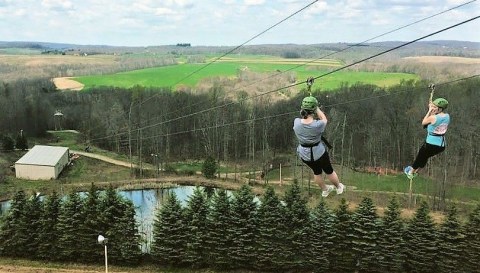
{"points": [[253, 2], [164, 11], [5, 3], [225, 22], [58, 5]]}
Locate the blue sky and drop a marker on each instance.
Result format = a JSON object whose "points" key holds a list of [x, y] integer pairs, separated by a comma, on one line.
{"points": [[229, 22]]}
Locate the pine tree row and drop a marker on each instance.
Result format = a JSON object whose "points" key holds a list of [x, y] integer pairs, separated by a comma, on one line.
{"points": [[225, 232], [66, 229]]}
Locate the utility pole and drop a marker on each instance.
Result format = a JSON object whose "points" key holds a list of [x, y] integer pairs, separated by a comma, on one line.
{"points": [[155, 163], [130, 136]]}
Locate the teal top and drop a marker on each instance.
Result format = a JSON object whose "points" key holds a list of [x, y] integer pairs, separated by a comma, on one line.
{"points": [[436, 131]]}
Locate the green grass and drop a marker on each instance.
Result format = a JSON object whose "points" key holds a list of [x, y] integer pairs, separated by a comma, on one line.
{"points": [[191, 74], [385, 183], [86, 170], [24, 265], [83, 172]]}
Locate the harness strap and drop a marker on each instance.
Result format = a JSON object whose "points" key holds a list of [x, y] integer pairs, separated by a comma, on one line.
{"points": [[439, 135], [310, 145], [311, 149]]}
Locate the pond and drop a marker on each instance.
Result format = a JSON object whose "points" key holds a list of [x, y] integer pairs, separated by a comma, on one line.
{"points": [[146, 203]]}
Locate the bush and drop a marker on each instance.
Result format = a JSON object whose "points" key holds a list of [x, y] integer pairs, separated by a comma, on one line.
{"points": [[291, 55], [170, 169], [21, 142], [7, 143], [209, 167]]}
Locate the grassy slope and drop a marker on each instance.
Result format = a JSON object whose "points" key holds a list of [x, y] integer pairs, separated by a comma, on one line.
{"points": [[86, 170], [229, 67]]}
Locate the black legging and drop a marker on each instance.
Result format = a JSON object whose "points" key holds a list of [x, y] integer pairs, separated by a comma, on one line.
{"points": [[425, 152], [321, 164]]}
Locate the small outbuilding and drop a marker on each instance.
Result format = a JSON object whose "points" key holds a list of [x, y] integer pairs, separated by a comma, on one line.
{"points": [[42, 162]]}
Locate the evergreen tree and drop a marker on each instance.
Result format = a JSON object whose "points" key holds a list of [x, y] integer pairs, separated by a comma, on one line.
{"points": [[471, 243], [271, 232], [391, 241], [113, 208], [21, 141], [33, 214], [196, 215], [421, 242], [91, 226], [219, 222], [321, 237], [298, 227], [365, 236], [48, 235], [125, 231], [70, 225], [209, 167], [14, 234], [450, 241], [342, 240], [169, 233], [244, 229], [8, 144]]}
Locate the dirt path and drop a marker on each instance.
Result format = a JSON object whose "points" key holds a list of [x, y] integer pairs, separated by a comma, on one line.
{"points": [[66, 83], [106, 159], [68, 269], [26, 269]]}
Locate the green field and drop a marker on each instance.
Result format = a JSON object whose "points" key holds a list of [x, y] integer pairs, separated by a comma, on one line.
{"points": [[191, 74]]}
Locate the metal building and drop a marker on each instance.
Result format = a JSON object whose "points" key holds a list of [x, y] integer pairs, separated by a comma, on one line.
{"points": [[42, 162]]}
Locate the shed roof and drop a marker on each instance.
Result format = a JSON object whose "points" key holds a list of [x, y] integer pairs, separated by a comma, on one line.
{"points": [[43, 155]]}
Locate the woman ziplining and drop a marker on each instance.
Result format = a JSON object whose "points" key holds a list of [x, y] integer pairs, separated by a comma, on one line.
{"points": [[311, 148], [436, 122]]}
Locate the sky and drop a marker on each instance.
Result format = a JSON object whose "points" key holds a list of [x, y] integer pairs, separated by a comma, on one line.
{"points": [[231, 22]]}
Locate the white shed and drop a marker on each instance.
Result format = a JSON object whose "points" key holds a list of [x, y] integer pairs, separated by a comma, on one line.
{"points": [[42, 162]]}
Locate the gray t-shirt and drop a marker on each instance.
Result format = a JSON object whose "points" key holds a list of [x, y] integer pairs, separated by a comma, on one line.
{"points": [[309, 134]]}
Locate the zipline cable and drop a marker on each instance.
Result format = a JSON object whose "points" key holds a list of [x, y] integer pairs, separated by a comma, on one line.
{"points": [[299, 83], [325, 56], [296, 111], [235, 48], [225, 54]]}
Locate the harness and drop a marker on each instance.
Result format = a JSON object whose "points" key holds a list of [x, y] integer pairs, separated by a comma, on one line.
{"points": [[311, 149], [440, 135]]}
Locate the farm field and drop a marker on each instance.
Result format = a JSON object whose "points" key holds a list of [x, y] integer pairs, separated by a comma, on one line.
{"points": [[38, 60], [444, 59], [191, 74]]}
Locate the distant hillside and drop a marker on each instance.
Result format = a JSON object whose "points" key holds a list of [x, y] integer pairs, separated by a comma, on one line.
{"points": [[438, 47]]}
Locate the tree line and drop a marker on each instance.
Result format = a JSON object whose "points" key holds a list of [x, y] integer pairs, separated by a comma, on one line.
{"points": [[226, 232], [65, 229], [368, 125]]}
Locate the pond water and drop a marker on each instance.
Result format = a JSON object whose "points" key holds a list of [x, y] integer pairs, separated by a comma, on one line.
{"points": [[146, 202]]}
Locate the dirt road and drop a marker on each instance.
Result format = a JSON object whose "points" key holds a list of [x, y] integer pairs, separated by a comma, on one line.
{"points": [[106, 159]]}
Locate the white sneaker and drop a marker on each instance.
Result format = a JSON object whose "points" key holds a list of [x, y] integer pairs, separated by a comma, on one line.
{"points": [[330, 188], [340, 188]]}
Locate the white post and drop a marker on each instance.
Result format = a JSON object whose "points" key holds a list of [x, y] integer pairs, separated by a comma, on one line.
{"points": [[102, 240], [280, 173], [106, 260]]}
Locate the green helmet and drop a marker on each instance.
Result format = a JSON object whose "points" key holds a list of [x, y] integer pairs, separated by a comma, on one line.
{"points": [[309, 103], [441, 102]]}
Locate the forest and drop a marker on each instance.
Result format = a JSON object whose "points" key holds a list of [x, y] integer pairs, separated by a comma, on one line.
{"points": [[221, 232], [368, 126]]}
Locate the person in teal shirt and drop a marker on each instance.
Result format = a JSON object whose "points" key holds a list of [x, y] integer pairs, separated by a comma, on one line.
{"points": [[436, 122]]}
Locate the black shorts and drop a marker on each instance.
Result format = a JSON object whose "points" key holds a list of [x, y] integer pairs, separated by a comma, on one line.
{"points": [[425, 152], [321, 164]]}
